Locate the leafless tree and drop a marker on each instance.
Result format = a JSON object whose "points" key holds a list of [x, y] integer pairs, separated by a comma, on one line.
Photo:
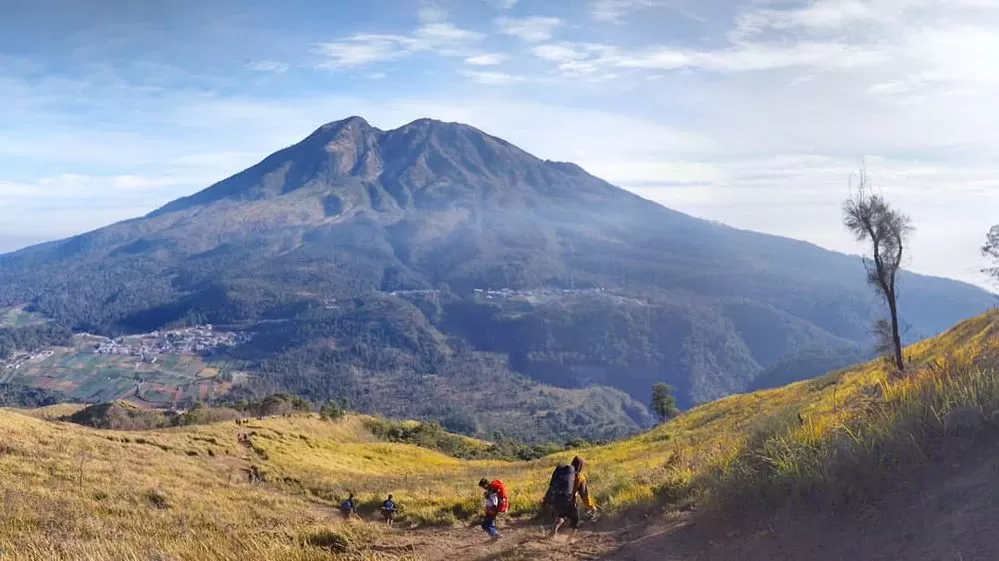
{"points": [[871, 218], [991, 250]]}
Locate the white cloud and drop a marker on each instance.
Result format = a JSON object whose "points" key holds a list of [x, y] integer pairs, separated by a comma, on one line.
{"points": [[503, 4], [488, 59], [615, 10], [560, 53], [748, 58], [362, 49], [818, 15], [491, 78], [588, 58], [442, 34], [531, 29], [580, 59], [268, 66]]}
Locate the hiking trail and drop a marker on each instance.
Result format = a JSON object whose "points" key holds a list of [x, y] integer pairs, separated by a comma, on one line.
{"points": [[947, 514]]}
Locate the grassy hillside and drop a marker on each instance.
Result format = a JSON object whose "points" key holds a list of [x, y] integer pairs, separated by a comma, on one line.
{"points": [[833, 440], [76, 493]]}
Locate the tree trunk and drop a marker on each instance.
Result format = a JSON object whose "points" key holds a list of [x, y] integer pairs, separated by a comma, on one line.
{"points": [[895, 338]]}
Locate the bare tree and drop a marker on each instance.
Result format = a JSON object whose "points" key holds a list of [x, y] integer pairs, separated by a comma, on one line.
{"points": [[991, 250], [870, 218]]}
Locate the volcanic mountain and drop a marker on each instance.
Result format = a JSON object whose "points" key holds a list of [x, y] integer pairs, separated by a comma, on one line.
{"points": [[436, 271]]}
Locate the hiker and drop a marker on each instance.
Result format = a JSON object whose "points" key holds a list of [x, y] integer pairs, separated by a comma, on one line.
{"points": [[496, 502], [349, 507], [568, 482], [388, 511], [253, 475]]}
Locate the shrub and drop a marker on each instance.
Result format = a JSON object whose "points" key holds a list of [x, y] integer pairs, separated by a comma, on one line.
{"points": [[337, 542], [205, 415], [334, 410], [118, 415], [434, 437], [156, 499]]}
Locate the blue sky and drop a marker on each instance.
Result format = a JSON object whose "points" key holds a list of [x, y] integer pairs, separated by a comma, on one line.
{"points": [[752, 112]]}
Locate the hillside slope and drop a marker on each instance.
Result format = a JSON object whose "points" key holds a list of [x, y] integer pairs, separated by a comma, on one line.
{"points": [[377, 251], [847, 453]]}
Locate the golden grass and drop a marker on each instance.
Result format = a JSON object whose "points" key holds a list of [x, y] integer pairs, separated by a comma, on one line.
{"points": [[75, 493], [869, 427], [181, 493], [753, 439]]}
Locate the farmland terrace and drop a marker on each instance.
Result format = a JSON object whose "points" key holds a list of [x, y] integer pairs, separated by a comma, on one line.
{"points": [[157, 368]]}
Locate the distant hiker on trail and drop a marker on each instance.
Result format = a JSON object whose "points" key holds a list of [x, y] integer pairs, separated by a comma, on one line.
{"points": [[389, 510], [496, 502], [566, 484], [349, 508]]}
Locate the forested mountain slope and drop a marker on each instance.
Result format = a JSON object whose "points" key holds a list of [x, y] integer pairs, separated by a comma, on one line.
{"points": [[421, 271]]}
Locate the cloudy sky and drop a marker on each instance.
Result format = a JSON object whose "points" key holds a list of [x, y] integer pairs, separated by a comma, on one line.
{"points": [[752, 112]]}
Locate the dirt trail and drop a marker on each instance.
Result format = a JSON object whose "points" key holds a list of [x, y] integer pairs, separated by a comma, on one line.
{"points": [[950, 513], [528, 540], [519, 541]]}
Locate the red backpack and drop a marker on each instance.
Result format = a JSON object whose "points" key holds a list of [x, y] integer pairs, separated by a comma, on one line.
{"points": [[504, 499]]}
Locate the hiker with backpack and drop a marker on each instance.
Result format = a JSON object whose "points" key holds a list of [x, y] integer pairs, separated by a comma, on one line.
{"points": [[568, 482], [496, 502], [349, 508], [388, 511]]}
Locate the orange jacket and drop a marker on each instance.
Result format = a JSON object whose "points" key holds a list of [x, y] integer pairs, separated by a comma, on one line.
{"points": [[583, 491]]}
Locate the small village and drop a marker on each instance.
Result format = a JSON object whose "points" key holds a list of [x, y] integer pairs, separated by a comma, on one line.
{"points": [[202, 339], [495, 293]]}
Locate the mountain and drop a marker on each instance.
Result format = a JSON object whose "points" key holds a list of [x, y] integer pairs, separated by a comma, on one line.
{"points": [[435, 271]]}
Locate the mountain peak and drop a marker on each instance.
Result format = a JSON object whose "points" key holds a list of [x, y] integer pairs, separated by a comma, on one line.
{"points": [[341, 148], [351, 129], [428, 122], [353, 122], [426, 161]]}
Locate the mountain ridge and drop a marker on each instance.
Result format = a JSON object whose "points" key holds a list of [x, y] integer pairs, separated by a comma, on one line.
{"points": [[606, 287]]}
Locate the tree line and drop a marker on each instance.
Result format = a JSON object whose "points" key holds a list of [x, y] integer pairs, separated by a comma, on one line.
{"points": [[31, 338]]}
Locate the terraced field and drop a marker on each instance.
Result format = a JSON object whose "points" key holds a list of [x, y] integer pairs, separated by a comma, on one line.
{"points": [[85, 376]]}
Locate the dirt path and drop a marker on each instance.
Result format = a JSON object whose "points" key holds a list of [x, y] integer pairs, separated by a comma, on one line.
{"points": [[519, 541], [949, 514]]}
